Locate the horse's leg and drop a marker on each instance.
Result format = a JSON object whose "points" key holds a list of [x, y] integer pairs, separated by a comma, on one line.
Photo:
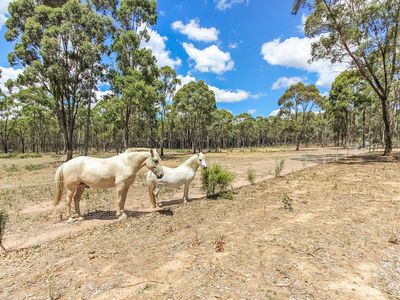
{"points": [[122, 191], [186, 193], [156, 191], [151, 188], [77, 197], [68, 201]]}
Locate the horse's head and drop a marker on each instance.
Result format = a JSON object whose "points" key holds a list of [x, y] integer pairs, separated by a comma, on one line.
{"points": [[153, 163], [201, 160]]}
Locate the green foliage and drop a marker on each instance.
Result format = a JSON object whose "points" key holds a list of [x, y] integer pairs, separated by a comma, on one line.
{"points": [[35, 167], [287, 203], [216, 181], [279, 167], [365, 33], [29, 155], [251, 175], [11, 168]]}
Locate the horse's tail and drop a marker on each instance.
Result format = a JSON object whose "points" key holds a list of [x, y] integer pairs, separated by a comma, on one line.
{"points": [[59, 178]]}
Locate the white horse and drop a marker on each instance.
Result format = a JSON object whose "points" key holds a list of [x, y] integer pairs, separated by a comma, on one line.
{"points": [[90, 172], [175, 177]]}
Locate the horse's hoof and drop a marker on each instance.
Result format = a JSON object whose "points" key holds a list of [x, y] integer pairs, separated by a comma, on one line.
{"points": [[122, 216], [70, 220], [80, 218], [159, 204]]}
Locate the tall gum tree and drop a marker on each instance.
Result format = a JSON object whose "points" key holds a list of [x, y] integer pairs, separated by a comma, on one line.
{"points": [[364, 33], [60, 45]]}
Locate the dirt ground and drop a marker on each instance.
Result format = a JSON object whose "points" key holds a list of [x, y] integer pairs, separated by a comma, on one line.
{"points": [[340, 241]]}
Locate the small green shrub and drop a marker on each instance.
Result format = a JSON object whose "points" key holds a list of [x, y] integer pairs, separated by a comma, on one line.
{"points": [[29, 155], [279, 167], [34, 167], [93, 151], [3, 223], [251, 175], [8, 155], [10, 168], [216, 181], [287, 203]]}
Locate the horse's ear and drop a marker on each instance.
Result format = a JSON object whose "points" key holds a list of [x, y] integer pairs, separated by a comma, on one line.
{"points": [[152, 152], [198, 154]]}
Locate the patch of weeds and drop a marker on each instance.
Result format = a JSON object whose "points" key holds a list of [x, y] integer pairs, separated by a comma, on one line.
{"points": [[8, 155], [251, 175], [29, 155], [279, 167], [147, 287], [92, 152], [219, 243], [287, 203], [227, 195], [216, 180], [34, 167], [10, 168], [195, 241]]}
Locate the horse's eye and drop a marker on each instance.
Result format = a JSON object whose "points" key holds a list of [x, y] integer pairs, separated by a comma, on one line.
{"points": [[156, 161]]}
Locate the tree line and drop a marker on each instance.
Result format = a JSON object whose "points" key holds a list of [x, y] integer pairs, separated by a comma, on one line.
{"points": [[68, 48]]}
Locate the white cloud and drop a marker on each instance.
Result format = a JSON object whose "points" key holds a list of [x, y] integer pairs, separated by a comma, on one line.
{"points": [[210, 59], [184, 80], [285, 82], [101, 94], [158, 47], [3, 11], [274, 113], [251, 111], [221, 95], [225, 4], [296, 52], [233, 45], [194, 32], [229, 96], [6, 74]]}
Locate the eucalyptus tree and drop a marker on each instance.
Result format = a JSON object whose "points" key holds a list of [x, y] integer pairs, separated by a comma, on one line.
{"points": [[349, 96], [221, 128], [60, 45], [297, 104], [364, 33], [194, 103], [169, 83], [136, 72]]}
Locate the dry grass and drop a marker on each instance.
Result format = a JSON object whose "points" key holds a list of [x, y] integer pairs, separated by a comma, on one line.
{"points": [[336, 244]]}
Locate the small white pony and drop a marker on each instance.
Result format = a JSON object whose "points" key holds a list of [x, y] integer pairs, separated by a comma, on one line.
{"points": [[175, 177], [90, 172]]}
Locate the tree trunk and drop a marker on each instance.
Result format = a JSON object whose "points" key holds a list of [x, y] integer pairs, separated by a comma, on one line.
{"points": [[387, 131], [87, 128]]}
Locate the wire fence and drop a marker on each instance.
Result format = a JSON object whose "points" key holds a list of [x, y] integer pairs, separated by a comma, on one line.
{"points": [[33, 219]]}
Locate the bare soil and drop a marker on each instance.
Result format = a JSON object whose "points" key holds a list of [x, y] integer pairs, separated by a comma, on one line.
{"points": [[340, 241]]}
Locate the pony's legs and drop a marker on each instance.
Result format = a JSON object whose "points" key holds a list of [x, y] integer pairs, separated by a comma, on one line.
{"points": [[68, 200], [157, 190], [122, 191], [152, 195], [186, 193], [77, 197]]}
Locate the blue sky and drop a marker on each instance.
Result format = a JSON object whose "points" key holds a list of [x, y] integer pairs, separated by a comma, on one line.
{"points": [[248, 51]]}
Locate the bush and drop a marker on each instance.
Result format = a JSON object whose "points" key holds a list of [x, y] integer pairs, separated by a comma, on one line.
{"points": [[216, 181], [287, 203], [251, 175], [29, 155], [7, 155], [279, 168], [10, 168], [3, 222], [34, 167]]}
